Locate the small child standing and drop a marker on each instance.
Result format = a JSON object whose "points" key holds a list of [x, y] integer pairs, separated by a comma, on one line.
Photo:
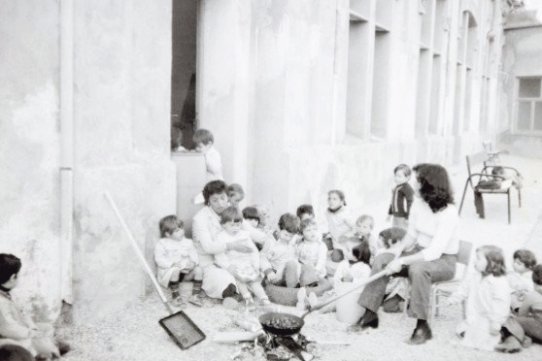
{"points": [[204, 141], [338, 220], [177, 263], [245, 267], [15, 325], [402, 196], [487, 300]]}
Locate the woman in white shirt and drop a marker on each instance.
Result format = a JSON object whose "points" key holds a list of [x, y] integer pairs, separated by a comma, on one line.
{"points": [[429, 251]]}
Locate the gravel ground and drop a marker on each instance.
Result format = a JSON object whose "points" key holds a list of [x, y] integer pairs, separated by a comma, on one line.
{"points": [[135, 334]]}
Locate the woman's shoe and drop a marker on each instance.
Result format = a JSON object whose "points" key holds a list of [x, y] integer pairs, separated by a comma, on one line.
{"points": [[420, 335], [369, 320]]}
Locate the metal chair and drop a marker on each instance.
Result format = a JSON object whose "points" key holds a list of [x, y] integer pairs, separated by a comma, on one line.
{"points": [[473, 180], [446, 288]]}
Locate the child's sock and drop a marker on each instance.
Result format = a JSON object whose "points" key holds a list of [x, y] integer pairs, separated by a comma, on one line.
{"points": [[197, 288], [174, 287]]}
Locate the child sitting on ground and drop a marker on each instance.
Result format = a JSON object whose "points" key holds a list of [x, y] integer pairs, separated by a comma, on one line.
{"points": [[305, 211], [487, 297], [357, 270], [402, 196], [363, 229], [348, 274], [279, 259], [15, 326], [251, 221], [526, 326], [236, 194], [398, 287], [177, 263], [311, 253], [338, 219], [521, 278], [245, 267]]}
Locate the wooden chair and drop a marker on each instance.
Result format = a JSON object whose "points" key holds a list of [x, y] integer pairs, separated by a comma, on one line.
{"points": [[474, 179]]}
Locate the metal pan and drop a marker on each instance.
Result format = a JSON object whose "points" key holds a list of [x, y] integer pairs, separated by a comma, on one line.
{"points": [[285, 324]]}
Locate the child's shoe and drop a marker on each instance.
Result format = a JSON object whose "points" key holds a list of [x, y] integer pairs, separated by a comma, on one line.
{"points": [[230, 303], [63, 347], [179, 302], [264, 302], [196, 301]]}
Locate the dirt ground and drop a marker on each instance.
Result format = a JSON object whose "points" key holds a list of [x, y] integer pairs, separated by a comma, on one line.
{"points": [[135, 334]]}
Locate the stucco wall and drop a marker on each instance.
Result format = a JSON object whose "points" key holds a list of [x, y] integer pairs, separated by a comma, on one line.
{"points": [[122, 107], [29, 144]]}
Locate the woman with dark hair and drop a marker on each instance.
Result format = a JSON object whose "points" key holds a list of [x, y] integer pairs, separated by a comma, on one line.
{"points": [[217, 282], [429, 251]]}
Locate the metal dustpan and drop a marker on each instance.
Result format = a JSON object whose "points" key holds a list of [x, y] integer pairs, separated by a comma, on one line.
{"points": [[184, 332]]}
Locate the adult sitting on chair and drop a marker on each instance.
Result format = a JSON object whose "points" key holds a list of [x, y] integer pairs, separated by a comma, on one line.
{"points": [[429, 251]]}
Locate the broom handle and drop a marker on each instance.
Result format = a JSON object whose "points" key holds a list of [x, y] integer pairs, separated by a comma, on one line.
{"points": [[138, 252], [357, 287]]}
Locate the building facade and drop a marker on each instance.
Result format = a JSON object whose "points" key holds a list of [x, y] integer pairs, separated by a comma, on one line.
{"points": [[302, 97]]}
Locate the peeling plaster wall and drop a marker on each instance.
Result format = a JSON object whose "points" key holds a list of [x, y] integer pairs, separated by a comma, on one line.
{"points": [[122, 106], [122, 67], [29, 146]]}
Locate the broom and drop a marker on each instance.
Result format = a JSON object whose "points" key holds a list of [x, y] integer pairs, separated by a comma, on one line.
{"points": [[178, 325]]}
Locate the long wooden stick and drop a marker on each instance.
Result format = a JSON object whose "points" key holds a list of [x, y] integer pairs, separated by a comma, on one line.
{"points": [[355, 288], [139, 253]]}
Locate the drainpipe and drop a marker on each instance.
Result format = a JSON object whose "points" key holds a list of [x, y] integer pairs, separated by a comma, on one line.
{"points": [[66, 149]]}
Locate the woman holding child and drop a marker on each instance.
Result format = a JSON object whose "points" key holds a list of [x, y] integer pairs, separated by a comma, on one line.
{"points": [[429, 251], [217, 282]]}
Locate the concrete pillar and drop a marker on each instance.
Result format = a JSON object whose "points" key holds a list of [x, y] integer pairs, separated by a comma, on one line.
{"points": [[224, 74]]}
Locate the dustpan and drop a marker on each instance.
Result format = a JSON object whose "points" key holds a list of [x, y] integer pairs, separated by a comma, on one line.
{"points": [[184, 332]]}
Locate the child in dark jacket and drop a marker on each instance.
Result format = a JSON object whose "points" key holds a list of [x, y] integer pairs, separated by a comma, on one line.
{"points": [[402, 196]]}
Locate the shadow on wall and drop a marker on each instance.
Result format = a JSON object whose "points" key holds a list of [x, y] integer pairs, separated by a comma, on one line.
{"points": [[182, 128]]}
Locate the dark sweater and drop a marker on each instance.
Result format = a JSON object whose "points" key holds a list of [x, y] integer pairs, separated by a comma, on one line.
{"points": [[401, 200]]}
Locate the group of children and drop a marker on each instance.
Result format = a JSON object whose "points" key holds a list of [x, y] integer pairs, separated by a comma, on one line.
{"points": [[309, 259], [297, 256], [503, 308]]}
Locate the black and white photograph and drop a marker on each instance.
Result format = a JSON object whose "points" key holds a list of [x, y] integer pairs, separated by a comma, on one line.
{"points": [[271, 180]]}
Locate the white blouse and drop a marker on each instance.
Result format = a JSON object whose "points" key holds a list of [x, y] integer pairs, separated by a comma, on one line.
{"points": [[434, 232]]}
